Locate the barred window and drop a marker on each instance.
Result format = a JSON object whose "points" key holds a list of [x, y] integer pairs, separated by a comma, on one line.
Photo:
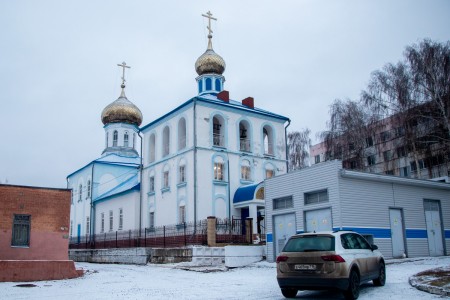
{"points": [[152, 184], [21, 231], [111, 220], [283, 202], [102, 228], [120, 218], [316, 197], [88, 225]]}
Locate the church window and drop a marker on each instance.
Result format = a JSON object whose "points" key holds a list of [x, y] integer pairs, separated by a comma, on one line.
{"points": [[166, 141], [111, 220], [208, 83], [166, 179], [80, 193], [152, 220], [115, 137], [181, 134], [120, 218], [246, 171], [182, 214], [89, 189], [218, 171], [107, 139], [21, 231], [134, 140], [152, 147], [125, 139], [269, 170], [218, 131], [152, 184], [200, 86], [218, 87], [88, 224], [268, 140], [182, 174], [102, 224], [244, 136]]}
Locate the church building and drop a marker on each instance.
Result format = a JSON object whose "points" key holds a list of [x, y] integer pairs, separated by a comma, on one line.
{"points": [[206, 157]]}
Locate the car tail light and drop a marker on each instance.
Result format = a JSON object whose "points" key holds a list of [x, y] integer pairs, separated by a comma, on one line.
{"points": [[282, 258], [335, 258]]}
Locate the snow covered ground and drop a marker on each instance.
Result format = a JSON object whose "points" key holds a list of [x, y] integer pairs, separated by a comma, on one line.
{"points": [[257, 281]]}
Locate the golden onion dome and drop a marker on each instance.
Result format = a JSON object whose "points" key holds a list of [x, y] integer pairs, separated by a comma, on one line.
{"points": [[122, 111], [210, 62]]}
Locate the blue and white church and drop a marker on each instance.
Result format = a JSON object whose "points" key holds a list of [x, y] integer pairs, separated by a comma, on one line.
{"points": [[207, 157]]}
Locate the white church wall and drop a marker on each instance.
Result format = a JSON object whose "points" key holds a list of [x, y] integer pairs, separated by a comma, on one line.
{"points": [[213, 197], [128, 203], [80, 208]]}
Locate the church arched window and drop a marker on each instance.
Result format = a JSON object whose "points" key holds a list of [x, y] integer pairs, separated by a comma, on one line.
{"points": [[218, 87], [115, 137], [208, 83], [88, 190], [80, 192], [268, 140], [152, 147], [166, 141], [181, 134], [200, 86], [244, 136], [218, 131], [125, 139]]}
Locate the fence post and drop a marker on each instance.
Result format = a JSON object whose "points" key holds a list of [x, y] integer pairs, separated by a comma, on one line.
{"points": [[164, 236], [211, 231], [249, 230], [129, 238], [185, 244], [116, 239], [145, 237]]}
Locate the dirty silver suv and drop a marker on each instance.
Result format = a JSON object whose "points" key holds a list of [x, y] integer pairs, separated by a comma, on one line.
{"points": [[329, 260]]}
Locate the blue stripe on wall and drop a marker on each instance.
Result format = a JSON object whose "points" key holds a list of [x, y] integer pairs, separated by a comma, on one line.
{"points": [[269, 238], [380, 233], [447, 234], [416, 233]]}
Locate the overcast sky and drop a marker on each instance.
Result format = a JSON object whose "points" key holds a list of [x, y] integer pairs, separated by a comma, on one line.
{"points": [[58, 64]]}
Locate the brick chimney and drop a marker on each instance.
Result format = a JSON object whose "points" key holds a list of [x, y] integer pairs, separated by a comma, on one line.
{"points": [[224, 96], [249, 102]]}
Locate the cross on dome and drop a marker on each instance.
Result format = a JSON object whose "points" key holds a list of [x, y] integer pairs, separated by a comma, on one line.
{"points": [[123, 66], [209, 16]]}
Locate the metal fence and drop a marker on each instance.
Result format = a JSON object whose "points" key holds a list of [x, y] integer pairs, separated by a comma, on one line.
{"points": [[231, 231], [160, 236]]}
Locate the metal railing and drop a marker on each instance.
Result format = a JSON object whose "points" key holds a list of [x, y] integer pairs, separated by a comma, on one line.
{"points": [[178, 235]]}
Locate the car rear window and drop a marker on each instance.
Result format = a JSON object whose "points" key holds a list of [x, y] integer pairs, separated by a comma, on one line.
{"points": [[310, 243]]}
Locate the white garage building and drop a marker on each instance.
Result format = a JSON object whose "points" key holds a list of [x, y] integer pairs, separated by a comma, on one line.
{"points": [[405, 217]]}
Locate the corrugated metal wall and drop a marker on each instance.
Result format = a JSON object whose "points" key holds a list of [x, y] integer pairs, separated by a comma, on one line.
{"points": [[359, 204]]}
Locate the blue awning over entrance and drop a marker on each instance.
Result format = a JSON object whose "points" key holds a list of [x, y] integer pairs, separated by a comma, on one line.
{"points": [[245, 193]]}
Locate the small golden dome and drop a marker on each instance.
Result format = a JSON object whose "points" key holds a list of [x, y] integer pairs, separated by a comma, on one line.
{"points": [[210, 62], [122, 111]]}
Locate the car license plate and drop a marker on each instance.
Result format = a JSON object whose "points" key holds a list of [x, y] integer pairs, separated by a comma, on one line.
{"points": [[305, 267]]}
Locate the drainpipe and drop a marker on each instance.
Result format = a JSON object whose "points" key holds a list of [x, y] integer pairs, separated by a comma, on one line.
{"points": [[286, 145], [92, 223], [141, 186], [229, 188], [195, 164]]}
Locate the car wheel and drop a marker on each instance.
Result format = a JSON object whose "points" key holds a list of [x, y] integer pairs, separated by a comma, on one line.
{"points": [[381, 280], [289, 293], [353, 286]]}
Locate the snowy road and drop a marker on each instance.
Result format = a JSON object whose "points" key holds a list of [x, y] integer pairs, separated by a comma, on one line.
{"points": [[163, 282]]}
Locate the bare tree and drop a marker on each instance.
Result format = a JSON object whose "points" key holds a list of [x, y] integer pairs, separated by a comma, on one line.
{"points": [[349, 131], [298, 145]]}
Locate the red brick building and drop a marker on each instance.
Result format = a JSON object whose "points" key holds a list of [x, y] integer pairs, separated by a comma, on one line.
{"points": [[34, 232]]}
